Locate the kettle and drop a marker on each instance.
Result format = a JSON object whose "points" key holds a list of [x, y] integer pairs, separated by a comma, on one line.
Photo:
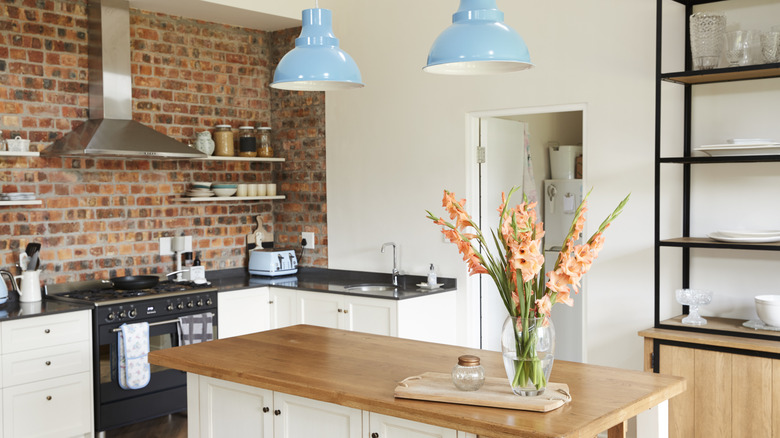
{"points": [[4, 288]]}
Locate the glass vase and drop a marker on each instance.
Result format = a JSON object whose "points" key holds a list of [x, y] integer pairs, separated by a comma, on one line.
{"points": [[528, 347]]}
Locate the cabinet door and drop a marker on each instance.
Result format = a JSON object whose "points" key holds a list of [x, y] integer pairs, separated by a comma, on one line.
{"points": [[679, 361], [283, 308], [297, 417], [320, 309], [242, 312], [233, 410], [370, 315], [383, 426], [60, 407]]}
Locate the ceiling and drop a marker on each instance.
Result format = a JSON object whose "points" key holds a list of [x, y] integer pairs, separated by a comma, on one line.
{"points": [[268, 15]]}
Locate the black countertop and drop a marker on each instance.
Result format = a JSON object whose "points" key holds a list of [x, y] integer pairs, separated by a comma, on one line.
{"points": [[16, 309], [330, 281]]}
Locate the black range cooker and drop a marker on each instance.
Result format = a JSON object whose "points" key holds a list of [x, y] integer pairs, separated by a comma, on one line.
{"points": [[160, 306]]}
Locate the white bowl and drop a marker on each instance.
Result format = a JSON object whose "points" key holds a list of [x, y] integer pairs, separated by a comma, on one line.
{"points": [[224, 192], [768, 309]]}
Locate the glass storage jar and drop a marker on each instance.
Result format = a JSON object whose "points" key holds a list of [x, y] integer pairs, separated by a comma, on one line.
{"points": [[223, 139], [468, 374], [247, 143], [264, 138]]}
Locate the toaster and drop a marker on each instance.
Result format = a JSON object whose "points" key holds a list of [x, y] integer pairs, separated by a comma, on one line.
{"points": [[272, 262]]}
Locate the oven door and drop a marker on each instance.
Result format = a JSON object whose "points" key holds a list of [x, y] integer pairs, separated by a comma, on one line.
{"points": [[166, 392]]}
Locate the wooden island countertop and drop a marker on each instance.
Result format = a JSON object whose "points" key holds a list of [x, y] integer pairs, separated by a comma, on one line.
{"points": [[361, 371]]}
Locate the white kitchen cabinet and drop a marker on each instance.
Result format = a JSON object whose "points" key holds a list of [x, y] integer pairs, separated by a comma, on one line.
{"points": [[383, 426], [425, 318], [234, 410], [46, 369], [243, 311], [218, 408], [296, 417], [282, 307]]}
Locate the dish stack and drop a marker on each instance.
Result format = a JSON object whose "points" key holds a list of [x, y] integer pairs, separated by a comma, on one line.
{"points": [[742, 146], [200, 190], [746, 236], [19, 196]]}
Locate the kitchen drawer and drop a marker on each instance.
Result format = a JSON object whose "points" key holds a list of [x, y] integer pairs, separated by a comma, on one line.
{"points": [[56, 408], [45, 331], [46, 363]]}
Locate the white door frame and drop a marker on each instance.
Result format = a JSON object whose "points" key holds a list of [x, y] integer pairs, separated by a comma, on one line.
{"points": [[472, 192]]}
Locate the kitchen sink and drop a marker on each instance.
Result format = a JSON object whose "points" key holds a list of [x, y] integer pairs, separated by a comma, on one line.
{"points": [[370, 288]]}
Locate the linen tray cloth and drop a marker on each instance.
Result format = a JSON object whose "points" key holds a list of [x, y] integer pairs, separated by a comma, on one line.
{"points": [[496, 393]]}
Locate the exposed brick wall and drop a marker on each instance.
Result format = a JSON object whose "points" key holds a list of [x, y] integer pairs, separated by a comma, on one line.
{"points": [[298, 124], [103, 217]]}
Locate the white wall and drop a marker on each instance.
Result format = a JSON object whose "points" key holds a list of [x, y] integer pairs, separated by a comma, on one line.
{"points": [[396, 144]]}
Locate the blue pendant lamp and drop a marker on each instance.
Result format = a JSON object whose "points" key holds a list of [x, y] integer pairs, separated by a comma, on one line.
{"points": [[478, 43], [317, 63]]}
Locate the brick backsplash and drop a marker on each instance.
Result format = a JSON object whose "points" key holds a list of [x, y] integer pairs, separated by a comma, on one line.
{"points": [[103, 216]]}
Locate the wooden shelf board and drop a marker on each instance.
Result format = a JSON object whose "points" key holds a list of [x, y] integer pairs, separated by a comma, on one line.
{"points": [[259, 159], [31, 202], [695, 335], [706, 242], [234, 198], [19, 154], [763, 71], [721, 159]]}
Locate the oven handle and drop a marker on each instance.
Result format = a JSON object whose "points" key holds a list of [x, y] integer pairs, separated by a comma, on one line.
{"points": [[117, 330]]}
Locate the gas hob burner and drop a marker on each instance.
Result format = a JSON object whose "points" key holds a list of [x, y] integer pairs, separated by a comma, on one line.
{"points": [[98, 292]]}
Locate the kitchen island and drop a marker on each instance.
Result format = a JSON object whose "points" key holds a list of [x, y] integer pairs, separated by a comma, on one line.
{"points": [[360, 371]]}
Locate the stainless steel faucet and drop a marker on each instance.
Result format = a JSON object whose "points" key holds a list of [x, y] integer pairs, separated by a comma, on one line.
{"points": [[395, 262]]}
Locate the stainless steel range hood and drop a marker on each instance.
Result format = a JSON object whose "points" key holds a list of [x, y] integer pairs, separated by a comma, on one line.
{"points": [[110, 130]]}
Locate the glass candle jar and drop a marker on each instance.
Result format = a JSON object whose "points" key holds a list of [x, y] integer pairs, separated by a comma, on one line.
{"points": [[468, 374], [264, 140], [223, 140], [247, 143]]}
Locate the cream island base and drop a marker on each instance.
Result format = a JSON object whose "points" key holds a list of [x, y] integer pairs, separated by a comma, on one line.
{"points": [[312, 381]]}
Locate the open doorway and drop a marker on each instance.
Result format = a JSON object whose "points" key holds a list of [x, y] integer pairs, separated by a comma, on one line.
{"points": [[507, 138]]}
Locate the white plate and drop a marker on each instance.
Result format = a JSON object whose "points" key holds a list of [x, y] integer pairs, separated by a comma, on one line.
{"points": [[749, 234], [749, 141], [425, 286], [759, 325], [744, 239], [741, 149]]}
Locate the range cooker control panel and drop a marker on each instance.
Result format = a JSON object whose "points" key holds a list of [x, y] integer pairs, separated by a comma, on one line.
{"points": [[143, 310]]}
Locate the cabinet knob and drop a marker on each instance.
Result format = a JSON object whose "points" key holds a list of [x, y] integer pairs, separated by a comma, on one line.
{"points": [[277, 412], [48, 362], [340, 310], [374, 435], [271, 302], [47, 331], [266, 409], [346, 310], [48, 397]]}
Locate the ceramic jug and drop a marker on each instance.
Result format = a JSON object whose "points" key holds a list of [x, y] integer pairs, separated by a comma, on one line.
{"points": [[204, 143], [30, 289]]}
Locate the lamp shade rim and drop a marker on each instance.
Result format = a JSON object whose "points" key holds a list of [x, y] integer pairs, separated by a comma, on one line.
{"points": [[479, 67]]}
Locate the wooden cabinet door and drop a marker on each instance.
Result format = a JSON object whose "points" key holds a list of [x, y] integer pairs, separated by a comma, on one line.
{"points": [[233, 410], [370, 315], [751, 396], [241, 312], [680, 362], [319, 309], [296, 417], [393, 427]]}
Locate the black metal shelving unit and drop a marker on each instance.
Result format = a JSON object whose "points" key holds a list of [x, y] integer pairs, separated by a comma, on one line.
{"points": [[688, 79]]}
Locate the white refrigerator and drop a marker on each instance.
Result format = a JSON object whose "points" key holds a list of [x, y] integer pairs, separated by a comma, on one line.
{"points": [[561, 199]]}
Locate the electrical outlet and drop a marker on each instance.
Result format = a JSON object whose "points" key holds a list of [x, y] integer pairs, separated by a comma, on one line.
{"points": [[165, 246], [309, 239]]}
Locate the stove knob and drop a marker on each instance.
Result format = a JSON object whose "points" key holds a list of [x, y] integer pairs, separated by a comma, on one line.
{"points": [[190, 305], [200, 303], [180, 306], [209, 302], [170, 307], [123, 314], [133, 312], [110, 316]]}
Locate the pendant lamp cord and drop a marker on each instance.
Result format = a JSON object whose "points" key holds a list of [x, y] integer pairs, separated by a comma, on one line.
{"points": [[317, 4]]}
